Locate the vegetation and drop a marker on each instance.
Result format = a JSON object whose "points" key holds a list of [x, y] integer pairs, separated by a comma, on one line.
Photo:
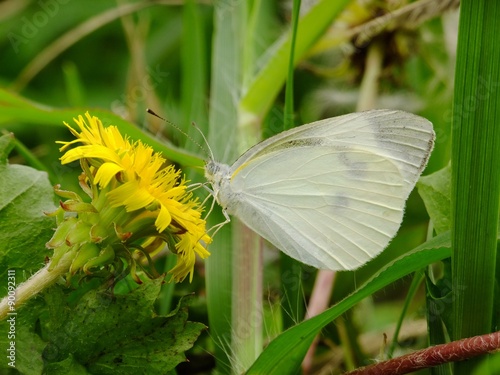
{"points": [[227, 67]]}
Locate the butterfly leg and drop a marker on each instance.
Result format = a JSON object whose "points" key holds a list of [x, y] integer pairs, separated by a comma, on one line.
{"points": [[217, 227]]}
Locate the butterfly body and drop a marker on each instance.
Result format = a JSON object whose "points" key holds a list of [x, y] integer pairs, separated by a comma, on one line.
{"points": [[330, 194]]}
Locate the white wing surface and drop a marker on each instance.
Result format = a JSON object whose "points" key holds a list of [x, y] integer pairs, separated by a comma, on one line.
{"points": [[404, 138], [332, 193]]}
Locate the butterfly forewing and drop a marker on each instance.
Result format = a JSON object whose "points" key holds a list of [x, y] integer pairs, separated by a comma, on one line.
{"points": [[402, 137]]}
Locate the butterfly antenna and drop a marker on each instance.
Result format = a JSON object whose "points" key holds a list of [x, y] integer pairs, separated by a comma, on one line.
{"points": [[209, 153], [151, 112]]}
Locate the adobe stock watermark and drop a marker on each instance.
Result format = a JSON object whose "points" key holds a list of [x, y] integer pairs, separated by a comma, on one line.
{"points": [[486, 87], [275, 122], [138, 93], [438, 306], [30, 26], [11, 318]]}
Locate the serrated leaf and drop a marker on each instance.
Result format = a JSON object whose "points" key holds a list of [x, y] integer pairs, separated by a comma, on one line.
{"points": [[118, 334], [435, 190], [158, 352], [25, 194]]}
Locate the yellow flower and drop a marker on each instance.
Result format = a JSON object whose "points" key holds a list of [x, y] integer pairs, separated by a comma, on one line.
{"points": [[132, 188]]}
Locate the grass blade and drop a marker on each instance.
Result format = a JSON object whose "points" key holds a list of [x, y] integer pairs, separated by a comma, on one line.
{"points": [[475, 172]]}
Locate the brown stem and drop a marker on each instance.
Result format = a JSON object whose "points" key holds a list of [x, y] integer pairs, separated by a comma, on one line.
{"points": [[435, 355]]}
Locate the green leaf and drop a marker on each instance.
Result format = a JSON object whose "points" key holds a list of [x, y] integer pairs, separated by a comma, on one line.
{"points": [[489, 365], [28, 358], [159, 351], [25, 194], [435, 190], [144, 343], [68, 366], [285, 353]]}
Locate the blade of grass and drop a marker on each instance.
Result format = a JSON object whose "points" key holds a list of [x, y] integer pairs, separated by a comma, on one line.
{"points": [[251, 32], [15, 108], [74, 87], [285, 353], [289, 109], [66, 40], [31, 159], [475, 172], [194, 76], [418, 277]]}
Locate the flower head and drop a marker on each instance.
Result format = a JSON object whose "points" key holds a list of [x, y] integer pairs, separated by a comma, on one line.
{"points": [[139, 203]]}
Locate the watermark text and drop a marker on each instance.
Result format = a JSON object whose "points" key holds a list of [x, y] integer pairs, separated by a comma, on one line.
{"points": [[11, 318]]}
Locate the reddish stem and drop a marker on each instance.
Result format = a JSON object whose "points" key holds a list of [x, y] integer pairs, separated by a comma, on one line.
{"points": [[435, 355]]}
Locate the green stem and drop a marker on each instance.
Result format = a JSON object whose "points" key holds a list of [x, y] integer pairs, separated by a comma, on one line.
{"points": [[418, 277], [35, 284], [247, 340], [289, 109]]}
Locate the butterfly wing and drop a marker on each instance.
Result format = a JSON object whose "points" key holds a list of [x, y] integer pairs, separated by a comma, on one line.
{"points": [[331, 194], [404, 138], [327, 208]]}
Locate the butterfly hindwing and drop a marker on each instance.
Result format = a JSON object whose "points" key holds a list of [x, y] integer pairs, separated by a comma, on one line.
{"points": [[332, 209]]}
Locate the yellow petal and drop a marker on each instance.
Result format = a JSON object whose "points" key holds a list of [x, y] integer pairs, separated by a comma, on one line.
{"points": [[89, 151], [130, 195], [106, 172], [163, 220]]}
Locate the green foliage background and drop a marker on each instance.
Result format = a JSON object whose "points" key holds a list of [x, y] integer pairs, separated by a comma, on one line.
{"points": [[223, 66]]}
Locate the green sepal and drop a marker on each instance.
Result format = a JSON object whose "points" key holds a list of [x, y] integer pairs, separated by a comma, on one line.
{"points": [[80, 233], [106, 256], [86, 252], [77, 206], [61, 233]]}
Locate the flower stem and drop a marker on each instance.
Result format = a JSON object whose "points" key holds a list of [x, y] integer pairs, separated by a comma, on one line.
{"points": [[35, 284]]}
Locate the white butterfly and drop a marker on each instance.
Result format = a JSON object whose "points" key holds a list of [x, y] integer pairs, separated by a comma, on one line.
{"points": [[330, 194]]}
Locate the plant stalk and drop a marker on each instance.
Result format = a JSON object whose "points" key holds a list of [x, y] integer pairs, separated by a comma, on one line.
{"points": [[41, 280]]}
